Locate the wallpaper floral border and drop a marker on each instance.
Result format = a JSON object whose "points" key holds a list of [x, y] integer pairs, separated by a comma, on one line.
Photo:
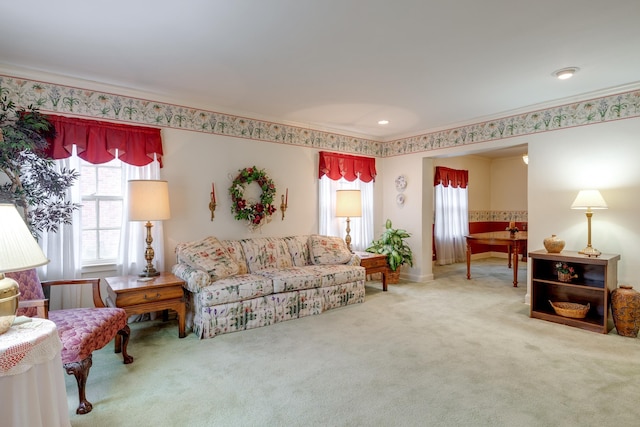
{"points": [[55, 98], [498, 216], [597, 110]]}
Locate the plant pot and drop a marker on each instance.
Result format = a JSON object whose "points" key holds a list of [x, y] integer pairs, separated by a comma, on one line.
{"points": [[564, 277], [625, 308], [393, 277]]}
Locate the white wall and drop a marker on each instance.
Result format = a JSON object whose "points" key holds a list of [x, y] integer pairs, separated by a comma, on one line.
{"points": [[192, 161], [604, 157], [508, 184]]}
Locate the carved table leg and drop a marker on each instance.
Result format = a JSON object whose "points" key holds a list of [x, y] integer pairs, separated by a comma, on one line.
{"points": [[515, 265], [124, 334], [81, 371], [468, 261]]}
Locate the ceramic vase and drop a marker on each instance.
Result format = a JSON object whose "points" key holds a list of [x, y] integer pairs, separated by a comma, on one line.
{"points": [[625, 308], [553, 245]]}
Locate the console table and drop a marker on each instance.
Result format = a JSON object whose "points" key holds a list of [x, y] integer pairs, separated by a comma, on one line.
{"points": [[32, 387], [515, 242]]}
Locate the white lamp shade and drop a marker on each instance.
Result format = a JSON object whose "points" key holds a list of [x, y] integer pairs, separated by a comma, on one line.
{"points": [[18, 249], [589, 199], [148, 200], [348, 203]]}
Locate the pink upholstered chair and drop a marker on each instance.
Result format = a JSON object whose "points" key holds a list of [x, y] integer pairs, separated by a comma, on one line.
{"points": [[81, 330]]}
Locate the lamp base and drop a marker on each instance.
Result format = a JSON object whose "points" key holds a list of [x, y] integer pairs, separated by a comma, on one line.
{"points": [[9, 296], [590, 251], [147, 273]]}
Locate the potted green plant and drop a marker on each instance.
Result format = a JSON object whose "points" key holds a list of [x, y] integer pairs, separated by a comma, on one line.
{"points": [[28, 177], [392, 244]]}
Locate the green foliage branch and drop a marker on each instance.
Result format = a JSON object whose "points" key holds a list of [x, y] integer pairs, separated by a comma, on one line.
{"points": [[31, 181]]}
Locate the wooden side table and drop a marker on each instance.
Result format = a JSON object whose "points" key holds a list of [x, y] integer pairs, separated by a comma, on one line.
{"points": [[374, 263], [138, 295]]}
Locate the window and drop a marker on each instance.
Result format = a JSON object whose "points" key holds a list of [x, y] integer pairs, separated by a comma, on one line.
{"points": [[362, 227], [102, 192]]}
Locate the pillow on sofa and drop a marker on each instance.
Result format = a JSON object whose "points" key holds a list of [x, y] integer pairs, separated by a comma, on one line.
{"points": [[328, 250], [208, 255]]}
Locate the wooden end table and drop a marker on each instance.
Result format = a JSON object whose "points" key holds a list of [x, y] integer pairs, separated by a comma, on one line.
{"points": [[374, 263], [137, 295]]}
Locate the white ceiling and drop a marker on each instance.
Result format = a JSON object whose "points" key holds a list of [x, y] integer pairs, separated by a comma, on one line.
{"points": [[337, 65]]}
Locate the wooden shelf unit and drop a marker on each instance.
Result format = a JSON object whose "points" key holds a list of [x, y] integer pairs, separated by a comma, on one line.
{"points": [[597, 277]]}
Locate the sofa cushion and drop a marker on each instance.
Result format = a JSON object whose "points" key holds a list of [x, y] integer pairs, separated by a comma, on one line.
{"points": [[299, 250], [235, 288], [266, 252], [291, 279], [331, 275], [328, 250], [235, 251], [208, 255]]}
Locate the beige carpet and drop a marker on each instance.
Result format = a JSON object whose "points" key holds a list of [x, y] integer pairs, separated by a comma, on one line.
{"points": [[446, 353]]}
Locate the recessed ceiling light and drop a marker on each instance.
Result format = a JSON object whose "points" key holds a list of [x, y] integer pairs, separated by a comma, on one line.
{"points": [[566, 73], [383, 122]]}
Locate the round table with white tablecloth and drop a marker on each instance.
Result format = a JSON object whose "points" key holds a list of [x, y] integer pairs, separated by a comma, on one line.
{"points": [[32, 388]]}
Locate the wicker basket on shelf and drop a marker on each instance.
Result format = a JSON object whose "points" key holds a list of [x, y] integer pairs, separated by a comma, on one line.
{"points": [[570, 309]]}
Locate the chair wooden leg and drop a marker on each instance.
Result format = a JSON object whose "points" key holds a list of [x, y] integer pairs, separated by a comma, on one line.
{"points": [[123, 335], [81, 371]]}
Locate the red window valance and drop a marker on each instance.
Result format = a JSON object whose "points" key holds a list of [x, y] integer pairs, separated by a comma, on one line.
{"points": [[337, 166], [98, 142], [455, 178]]}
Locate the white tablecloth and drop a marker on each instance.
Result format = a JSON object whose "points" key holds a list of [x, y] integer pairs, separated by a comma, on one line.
{"points": [[32, 388]]}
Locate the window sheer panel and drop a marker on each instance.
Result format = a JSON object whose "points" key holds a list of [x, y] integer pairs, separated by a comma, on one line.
{"points": [[133, 233], [361, 227], [451, 224]]}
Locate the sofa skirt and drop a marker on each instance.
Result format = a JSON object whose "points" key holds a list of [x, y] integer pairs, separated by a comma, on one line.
{"points": [[209, 321]]}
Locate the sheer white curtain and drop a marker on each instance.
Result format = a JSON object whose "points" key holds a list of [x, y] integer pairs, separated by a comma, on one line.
{"points": [[330, 225], [63, 250], [451, 223], [132, 237]]}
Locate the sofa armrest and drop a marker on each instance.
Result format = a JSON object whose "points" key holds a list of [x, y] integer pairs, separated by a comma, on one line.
{"points": [[194, 279], [355, 260]]}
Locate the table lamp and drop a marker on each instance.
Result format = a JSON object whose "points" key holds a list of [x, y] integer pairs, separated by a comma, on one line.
{"points": [[149, 201], [348, 204], [589, 199], [18, 251]]}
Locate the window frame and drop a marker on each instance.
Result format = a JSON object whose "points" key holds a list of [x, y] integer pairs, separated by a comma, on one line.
{"points": [[96, 198]]}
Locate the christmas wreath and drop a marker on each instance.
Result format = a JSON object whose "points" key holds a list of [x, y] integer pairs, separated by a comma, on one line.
{"points": [[257, 212]]}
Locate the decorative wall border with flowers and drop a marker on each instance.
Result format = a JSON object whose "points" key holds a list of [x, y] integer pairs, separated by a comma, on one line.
{"points": [[498, 216], [55, 98], [624, 105]]}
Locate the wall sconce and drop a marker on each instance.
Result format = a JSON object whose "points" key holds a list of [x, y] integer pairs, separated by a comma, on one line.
{"points": [[149, 201], [525, 158], [589, 199], [285, 203], [348, 204], [212, 202]]}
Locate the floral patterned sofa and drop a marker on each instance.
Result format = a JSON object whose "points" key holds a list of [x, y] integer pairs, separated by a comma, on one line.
{"points": [[243, 284]]}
